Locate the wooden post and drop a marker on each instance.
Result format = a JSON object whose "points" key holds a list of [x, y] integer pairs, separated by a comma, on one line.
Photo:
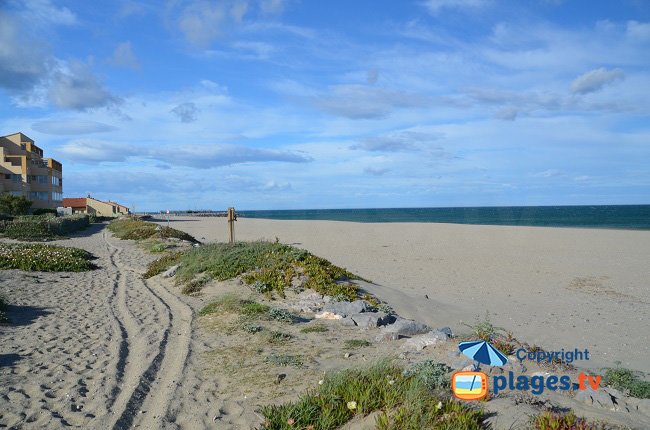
{"points": [[231, 224]]}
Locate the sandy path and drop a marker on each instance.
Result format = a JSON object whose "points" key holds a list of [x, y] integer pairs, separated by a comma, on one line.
{"points": [[100, 349], [555, 287]]}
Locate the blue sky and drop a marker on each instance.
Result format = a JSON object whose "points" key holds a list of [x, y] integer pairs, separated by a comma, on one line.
{"points": [[282, 104]]}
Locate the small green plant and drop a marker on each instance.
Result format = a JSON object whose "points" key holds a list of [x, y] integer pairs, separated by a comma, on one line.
{"points": [[282, 315], [568, 421], [315, 328], [404, 403], [497, 336], [229, 302], [135, 229], [432, 375], [284, 360], [356, 343], [194, 286], [629, 381], [158, 266], [279, 337], [252, 328], [250, 308], [44, 258]]}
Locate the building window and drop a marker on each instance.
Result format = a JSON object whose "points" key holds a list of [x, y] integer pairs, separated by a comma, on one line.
{"points": [[15, 178], [57, 196], [38, 195], [56, 181], [16, 193]]}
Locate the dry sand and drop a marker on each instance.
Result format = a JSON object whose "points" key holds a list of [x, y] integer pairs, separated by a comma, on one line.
{"points": [[554, 287], [105, 349]]}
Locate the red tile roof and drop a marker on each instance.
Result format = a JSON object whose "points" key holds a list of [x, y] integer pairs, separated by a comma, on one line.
{"points": [[74, 202]]}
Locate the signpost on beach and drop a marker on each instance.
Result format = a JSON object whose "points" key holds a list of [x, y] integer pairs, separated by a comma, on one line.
{"points": [[231, 224]]}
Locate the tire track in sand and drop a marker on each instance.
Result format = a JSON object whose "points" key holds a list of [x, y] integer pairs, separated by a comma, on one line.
{"points": [[160, 370]]}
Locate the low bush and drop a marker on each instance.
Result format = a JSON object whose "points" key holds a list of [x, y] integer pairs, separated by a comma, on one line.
{"points": [[268, 267], [628, 381], [356, 343], [132, 228], [568, 421], [41, 227], [284, 360], [315, 328], [44, 211], [44, 258], [160, 265], [403, 401]]}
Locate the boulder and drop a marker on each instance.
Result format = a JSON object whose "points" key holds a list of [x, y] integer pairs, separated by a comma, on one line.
{"points": [[447, 331], [386, 337], [644, 406], [404, 327], [421, 341], [171, 272], [345, 309], [369, 319], [347, 321]]}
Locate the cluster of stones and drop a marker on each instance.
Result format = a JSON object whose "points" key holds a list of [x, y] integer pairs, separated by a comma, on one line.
{"points": [[361, 314]]}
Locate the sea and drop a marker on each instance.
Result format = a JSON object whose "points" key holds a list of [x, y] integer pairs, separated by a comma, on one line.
{"points": [[636, 217]]}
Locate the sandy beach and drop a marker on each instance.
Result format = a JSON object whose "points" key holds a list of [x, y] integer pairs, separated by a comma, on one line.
{"points": [[554, 287], [106, 349]]}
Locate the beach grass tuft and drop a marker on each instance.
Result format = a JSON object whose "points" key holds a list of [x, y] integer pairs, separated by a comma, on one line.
{"points": [[403, 402], [158, 266], [627, 380], [44, 258], [284, 360], [315, 328], [565, 421], [356, 343]]}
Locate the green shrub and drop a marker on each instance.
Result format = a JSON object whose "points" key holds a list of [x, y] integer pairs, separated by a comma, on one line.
{"points": [[278, 337], [282, 315], [284, 360], [356, 343], [568, 421], [158, 266], [194, 286], [315, 328], [252, 328], [267, 267], [44, 258], [14, 205], [227, 303], [405, 404], [628, 380], [252, 309], [40, 227], [432, 375], [44, 211], [132, 228]]}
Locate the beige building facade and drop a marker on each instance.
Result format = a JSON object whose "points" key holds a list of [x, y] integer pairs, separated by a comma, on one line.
{"points": [[25, 172], [91, 206]]}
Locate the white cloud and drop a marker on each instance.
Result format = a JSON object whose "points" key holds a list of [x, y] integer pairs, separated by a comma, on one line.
{"points": [[365, 102], [96, 151], [70, 126], [74, 86], [123, 56], [398, 142], [596, 79], [186, 112], [43, 12]]}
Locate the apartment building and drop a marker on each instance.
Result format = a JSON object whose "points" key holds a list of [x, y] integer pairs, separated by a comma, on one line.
{"points": [[90, 205], [25, 172]]}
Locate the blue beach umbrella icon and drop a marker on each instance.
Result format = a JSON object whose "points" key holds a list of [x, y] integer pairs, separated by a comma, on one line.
{"points": [[483, 352]]}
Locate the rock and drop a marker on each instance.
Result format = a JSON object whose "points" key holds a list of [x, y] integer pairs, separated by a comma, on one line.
{"points": [[404, 327], [347, 355], [453, 354], [369, 319], [171, 272], [347, 308], [470, 368], [347, 321], [460, 364], [386, 337], [513, 365], [447, 331], [328, 316], [419, 342], [280, 377], [596, 398]]}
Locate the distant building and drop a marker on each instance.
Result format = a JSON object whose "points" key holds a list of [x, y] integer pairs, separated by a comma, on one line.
{"points": [[24, 172], [91, 206]]}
